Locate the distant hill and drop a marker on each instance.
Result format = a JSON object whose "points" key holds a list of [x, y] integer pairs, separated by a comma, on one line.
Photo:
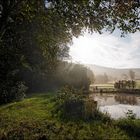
{"points": [[113, 72]]}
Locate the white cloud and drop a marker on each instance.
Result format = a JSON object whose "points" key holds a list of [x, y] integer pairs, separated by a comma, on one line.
{"points": [[107, 50]]}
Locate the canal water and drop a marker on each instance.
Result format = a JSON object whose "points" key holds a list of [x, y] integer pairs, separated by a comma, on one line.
{"points": [[117, 105]]}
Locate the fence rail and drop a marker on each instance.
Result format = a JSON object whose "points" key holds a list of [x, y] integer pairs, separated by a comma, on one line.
{"points": [[113, 90]]}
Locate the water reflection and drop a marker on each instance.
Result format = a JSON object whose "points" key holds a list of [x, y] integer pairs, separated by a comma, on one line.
{"points": [[118, 104], [123, 99], [120, 110]]}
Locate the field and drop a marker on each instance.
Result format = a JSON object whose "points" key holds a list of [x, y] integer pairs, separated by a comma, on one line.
{"points": [[34, 119], [111, 85], [138, 84]]}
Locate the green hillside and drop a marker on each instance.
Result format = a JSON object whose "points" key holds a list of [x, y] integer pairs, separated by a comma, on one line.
{"points": [[32, 119]]}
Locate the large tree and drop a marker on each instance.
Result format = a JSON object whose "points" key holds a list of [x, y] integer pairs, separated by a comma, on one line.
{"points": [[30, 44]]}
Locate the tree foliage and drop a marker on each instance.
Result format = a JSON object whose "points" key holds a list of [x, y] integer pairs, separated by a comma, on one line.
{"points": [[96, 15], [70, 74], [74, 75], [29, 42], [125, 84]]}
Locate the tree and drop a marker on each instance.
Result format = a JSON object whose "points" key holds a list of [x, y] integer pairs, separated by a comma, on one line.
{"points": [[74, 75], [96, 15], [23, 44], [132, 74], [34, 38], [90, 75], [24, 47], [133, 84], [129, 84]]}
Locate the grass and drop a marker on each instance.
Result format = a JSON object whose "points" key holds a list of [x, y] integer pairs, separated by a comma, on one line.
{"points": [[32, 119], [111, 85], [138, 84], [105, 86]]}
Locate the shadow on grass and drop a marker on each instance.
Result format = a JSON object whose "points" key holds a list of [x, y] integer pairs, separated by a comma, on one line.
{"points": [[131, 127]]}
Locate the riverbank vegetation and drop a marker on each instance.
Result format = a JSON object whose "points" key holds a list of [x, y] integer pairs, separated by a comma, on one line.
{"points": [[53, 116]]}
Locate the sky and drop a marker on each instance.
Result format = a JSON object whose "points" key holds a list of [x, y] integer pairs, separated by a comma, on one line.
{"points": [[109, 50]]}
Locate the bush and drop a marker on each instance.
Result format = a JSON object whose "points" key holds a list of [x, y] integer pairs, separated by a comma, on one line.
{"points": [[9, 93], [130, 115], [72, 104]]}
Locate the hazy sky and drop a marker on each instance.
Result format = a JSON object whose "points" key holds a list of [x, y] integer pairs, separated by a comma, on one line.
{"points": [[108, 50]]}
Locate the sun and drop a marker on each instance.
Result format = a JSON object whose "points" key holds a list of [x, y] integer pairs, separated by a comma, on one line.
{"points": [[89, 50], [106, 50]]}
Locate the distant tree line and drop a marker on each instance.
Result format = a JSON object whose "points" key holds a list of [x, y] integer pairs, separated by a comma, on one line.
{"points": [[125, 84]]}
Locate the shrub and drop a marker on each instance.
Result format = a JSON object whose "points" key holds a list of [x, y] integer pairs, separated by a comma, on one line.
{"points": [[130, 114], [9, 93], [73, 104]]}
